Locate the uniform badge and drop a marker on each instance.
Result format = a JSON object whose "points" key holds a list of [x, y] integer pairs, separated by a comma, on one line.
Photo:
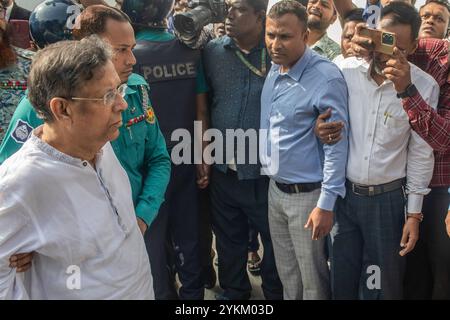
{"points": [[150, 115], [22, 131]]}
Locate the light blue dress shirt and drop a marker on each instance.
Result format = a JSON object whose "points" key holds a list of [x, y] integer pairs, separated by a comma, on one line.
{"points": [[290, 104]]}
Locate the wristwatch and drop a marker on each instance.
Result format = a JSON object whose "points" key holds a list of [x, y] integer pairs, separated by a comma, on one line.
{"points": [[410, 91]]}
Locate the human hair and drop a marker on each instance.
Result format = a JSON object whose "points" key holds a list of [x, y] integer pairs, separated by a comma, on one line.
{"points": [[93, 20], [403, 13], [354, 15], [283, 7], [258, 5], [61, 69]]}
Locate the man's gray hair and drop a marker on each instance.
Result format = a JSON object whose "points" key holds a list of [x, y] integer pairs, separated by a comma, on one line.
{"points": [[61, 69]]}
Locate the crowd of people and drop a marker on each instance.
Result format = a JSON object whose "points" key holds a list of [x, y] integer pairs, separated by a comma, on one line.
{"points": [[102, 198]]}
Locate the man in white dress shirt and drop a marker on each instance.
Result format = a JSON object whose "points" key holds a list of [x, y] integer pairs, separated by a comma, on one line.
{"points": [[388, 172], [64, 194]]}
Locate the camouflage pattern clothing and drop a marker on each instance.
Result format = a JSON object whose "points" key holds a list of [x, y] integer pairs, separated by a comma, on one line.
{"points": [[327, 48], [13, 84]]}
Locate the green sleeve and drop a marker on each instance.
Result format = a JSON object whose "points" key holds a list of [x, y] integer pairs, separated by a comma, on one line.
{"points": [[201, 86], [158, 166], [26, 113]]}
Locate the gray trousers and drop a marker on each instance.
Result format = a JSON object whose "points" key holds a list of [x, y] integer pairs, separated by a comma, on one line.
{"points": [[301, 261]]}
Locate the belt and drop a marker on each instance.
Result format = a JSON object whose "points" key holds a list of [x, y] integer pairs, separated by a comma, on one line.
{"points": [[298, 187], [371, 191]]}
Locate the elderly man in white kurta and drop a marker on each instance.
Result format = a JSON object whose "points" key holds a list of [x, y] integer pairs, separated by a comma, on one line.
{"points": [[64, 195]]}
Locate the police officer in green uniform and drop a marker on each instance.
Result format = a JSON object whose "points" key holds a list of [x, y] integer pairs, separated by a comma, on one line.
{"points": [[175, 75], [140, 147]]}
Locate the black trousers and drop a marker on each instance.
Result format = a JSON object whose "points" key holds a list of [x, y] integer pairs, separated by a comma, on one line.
{"points": [[428, 265], [235, 203], [177, 221]]}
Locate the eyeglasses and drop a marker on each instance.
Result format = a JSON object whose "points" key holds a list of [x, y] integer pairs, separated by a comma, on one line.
{"points": [[109, 98]]}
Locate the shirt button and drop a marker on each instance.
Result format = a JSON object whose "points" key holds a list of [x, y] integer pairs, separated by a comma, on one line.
{"points": [[370, 135], [84, 163], [373, 112], [365, 158]]}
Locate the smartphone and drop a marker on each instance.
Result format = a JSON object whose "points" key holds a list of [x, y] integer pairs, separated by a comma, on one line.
{"points": [[20, 33], [384, 41]]}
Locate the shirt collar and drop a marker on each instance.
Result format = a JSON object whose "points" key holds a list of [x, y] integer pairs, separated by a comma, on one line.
{"points": [[297, 70], [154, 35], [322, 43], [133, 81]]}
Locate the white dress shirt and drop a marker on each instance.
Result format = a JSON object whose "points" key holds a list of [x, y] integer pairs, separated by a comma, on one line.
{"points": [[382, 145], [79, 221]]}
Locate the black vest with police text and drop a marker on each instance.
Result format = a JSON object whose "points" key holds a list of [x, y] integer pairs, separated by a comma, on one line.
{"points": [[170, 68]]}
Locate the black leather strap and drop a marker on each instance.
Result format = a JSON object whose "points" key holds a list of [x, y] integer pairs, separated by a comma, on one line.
{"points": [[371, 191]]}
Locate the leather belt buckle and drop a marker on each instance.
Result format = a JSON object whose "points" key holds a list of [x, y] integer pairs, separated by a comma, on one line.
{"points": [[371, 191], [296, 188]]}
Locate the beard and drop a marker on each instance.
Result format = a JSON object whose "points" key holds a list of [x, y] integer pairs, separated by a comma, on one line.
{"points": [[316, 24], [377, 69]]}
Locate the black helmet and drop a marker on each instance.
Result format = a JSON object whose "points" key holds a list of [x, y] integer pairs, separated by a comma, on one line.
{"points": [[53, 21], [148, 13]]}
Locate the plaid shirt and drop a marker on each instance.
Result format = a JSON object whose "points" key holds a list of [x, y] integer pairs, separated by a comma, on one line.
{"points": [[432, 56]]}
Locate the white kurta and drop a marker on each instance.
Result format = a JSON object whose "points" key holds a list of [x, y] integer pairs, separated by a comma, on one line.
{"points": [[382, 145], [79, 221]]}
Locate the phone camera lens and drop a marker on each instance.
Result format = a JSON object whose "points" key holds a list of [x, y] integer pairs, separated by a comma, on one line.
{"points": [[388, 39]]}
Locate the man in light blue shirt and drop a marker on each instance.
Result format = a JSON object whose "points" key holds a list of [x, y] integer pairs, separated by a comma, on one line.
{"points": [[306, 176]]}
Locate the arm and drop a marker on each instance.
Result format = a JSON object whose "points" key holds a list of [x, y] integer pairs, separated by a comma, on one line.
{"points": [[419, 171], [432, 56], [433, 126], [343, 7], [334, 96], [203, 169], [157, 166], [420, 161]]}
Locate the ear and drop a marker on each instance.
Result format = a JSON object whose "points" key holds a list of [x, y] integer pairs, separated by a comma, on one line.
{"points": [[306, 36], [61, 110], [333, 19]]}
